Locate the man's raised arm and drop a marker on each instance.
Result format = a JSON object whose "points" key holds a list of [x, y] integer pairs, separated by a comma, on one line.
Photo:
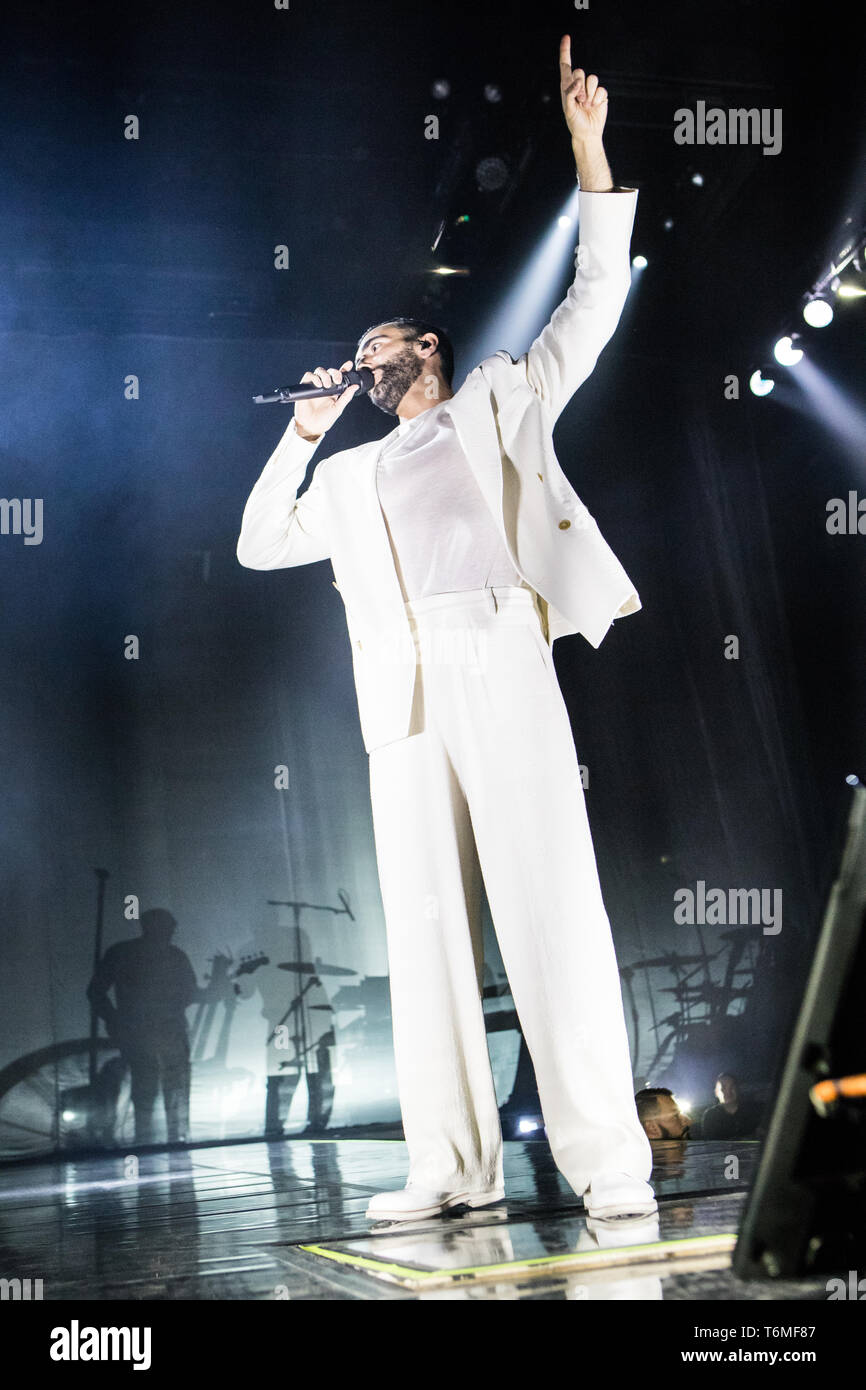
{"points": [[567, 349], [584, 105]]}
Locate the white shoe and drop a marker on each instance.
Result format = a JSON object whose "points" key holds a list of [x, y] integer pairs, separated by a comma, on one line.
{"points": [[412, 1203], [618, 1196], [632, 1230]]}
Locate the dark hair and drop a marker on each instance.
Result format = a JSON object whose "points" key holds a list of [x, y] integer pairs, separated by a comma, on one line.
{"points": [[416, 328], [647, 1101]]}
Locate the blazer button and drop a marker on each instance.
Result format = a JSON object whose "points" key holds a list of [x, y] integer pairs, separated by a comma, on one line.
{"points": [[539, 477], [564, 525]]}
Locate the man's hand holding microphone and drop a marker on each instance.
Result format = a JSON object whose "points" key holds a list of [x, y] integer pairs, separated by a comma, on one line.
{"points": [[316, 415]]}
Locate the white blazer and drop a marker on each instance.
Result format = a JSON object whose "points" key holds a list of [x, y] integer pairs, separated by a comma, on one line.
{"points": [[504, 415]]}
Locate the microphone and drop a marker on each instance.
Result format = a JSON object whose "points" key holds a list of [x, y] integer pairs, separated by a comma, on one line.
{"points": [[363, 379]]}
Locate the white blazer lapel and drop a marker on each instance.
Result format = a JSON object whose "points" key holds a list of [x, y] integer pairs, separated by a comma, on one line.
{"points": [[472, 412]]}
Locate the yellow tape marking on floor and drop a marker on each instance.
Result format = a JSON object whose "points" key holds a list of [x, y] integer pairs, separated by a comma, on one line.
{"points": [[622, 1254]]}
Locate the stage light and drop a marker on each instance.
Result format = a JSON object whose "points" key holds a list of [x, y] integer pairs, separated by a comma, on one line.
{"points": [[760, 385], [69, 1116], [818, 312], [449, 270], [668, 223], [785, 352], [492, 92], [441, 88], [846, 289], [853, 780], [639, 262], [527, 1126], [698, 180], [563, 221]]}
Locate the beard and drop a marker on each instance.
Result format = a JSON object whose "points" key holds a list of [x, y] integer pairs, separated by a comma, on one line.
{"points": [[398, 374]]}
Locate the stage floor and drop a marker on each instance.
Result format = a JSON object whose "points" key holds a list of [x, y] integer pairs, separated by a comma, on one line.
{"points": [[285, 1220]]}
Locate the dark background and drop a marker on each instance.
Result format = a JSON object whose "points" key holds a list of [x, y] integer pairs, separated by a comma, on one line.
{"points": [[155, 257]]}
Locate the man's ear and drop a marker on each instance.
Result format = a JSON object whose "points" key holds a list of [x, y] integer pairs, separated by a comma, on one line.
{"points": [[652, 1129]]}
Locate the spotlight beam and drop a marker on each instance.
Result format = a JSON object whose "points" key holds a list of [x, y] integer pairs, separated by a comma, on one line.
{"points": [[535, 294], [844, 259]]}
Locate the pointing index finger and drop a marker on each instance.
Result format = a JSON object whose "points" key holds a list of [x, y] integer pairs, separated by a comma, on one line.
{"points": [[565, 58]]}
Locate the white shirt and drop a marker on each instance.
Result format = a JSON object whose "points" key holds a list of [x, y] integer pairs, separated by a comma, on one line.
{"points": [[442, 534]]}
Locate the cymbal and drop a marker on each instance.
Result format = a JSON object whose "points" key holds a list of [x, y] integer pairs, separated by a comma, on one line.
{"points": [[672, 1020], [668, 961], [683, 990], [306, 967]]}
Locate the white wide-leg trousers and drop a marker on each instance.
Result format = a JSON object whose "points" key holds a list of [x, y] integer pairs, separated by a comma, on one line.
{"points": [[490, 782]]}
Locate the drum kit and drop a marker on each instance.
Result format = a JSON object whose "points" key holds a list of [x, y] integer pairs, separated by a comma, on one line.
{"points": [[703, 1004]]}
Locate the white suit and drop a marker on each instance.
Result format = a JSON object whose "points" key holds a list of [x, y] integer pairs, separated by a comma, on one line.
{"points": [[504, 414], [472, 761]]}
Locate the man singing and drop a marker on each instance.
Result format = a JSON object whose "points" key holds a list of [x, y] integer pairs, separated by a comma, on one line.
{"points": [[461, 553]]}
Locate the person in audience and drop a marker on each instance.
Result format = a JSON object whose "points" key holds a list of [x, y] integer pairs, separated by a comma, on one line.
{"points": [[735, 1116], [659, 1113]]}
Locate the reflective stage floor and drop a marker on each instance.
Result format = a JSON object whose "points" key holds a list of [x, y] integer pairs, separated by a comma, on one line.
{"points": [[285, 1220]]}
